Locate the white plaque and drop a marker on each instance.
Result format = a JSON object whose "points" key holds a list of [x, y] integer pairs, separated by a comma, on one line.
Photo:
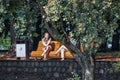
{"points": [[20, 50]]}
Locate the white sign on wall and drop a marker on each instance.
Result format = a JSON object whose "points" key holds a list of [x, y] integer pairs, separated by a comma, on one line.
{"points": [[20, 50]]}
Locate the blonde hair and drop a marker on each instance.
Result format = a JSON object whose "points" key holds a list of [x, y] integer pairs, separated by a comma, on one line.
{"points": [[46, 34]]}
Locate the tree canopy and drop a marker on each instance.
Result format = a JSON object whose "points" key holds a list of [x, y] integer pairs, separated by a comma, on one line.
{"points": [[89, 22]]}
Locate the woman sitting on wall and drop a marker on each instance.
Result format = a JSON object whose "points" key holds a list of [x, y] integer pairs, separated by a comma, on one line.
{"points": [[46, 45]]}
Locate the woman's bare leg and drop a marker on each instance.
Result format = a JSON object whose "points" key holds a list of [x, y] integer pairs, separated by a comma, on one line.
{"points": [[45, 57], [62, 54], [59, 50], [44, 54]]}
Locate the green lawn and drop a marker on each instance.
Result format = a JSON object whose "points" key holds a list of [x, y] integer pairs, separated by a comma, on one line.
{"points": [[116, 54]]}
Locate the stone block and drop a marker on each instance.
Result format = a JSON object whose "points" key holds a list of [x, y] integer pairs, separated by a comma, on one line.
{"points": [[36, 64], [54, 69], [41, 64], [9, 69], [26, 69], [56, 74], [4, 69], [5, 64], [14, 63], [45, 69], [9, 63], [31, 70], [35, 69], [48, 75], [58, 69], [49, 64], [32, 64], [19, 69], [39, 70], [63, 69], [50, 69], [28, 64], [1, 64], [13, 68]]}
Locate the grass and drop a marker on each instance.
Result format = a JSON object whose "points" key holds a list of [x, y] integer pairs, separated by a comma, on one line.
{"points": [[116, 54]]}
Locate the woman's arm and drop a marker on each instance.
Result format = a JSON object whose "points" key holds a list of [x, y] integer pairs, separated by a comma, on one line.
{"points": [[44, 42], [49, 41]]}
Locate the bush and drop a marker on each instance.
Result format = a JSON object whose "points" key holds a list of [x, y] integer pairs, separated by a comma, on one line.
{"points": [[74, 77]]}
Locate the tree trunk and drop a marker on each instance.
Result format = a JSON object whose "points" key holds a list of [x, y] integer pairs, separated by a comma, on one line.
{"points": [[10, 28], [84, 60], [88, 72], [87, 65], [115, 42], [13, 41], [116, 38]]}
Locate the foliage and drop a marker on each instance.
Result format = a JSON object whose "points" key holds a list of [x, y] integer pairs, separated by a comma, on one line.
{"points": [[89, 19], [90, 22], [75, 76], [4, 43], [20, 15], [115, 68]]}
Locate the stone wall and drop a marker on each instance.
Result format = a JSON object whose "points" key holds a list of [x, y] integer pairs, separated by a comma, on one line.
{"points": [[105, 70], [37, 70], [50, 70]]}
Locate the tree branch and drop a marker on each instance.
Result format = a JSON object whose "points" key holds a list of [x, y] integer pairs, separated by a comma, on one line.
{"points": [[66, 36], [79, 56]]}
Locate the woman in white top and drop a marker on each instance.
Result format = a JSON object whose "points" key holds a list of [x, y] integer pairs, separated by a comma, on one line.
{"points": [[46, 45]]}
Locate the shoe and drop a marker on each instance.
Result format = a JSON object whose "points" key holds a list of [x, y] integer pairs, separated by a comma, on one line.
{"points": [[62, 59]]}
